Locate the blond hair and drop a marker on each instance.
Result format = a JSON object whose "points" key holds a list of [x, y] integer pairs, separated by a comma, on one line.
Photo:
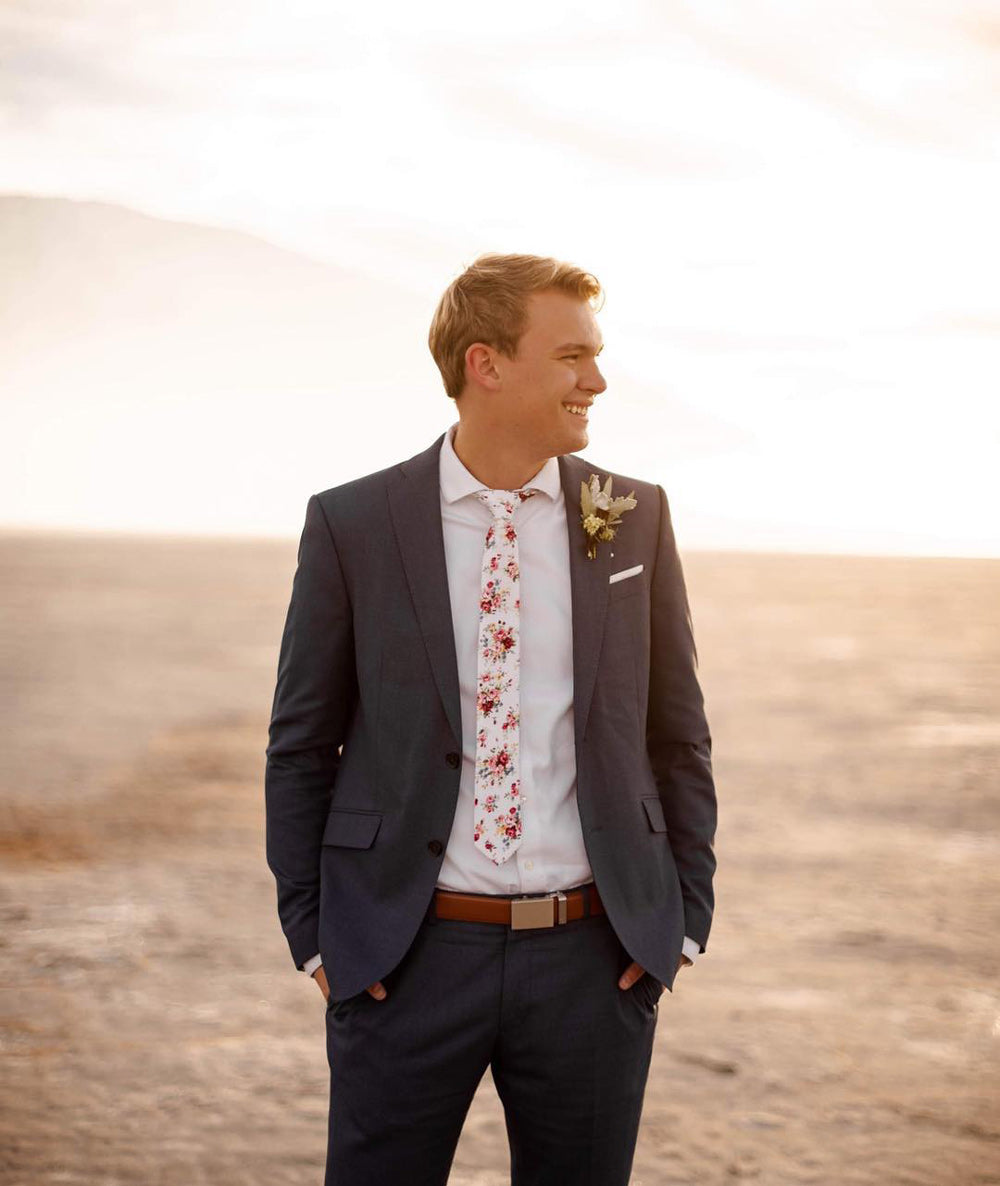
{"points": [[488, 303]]}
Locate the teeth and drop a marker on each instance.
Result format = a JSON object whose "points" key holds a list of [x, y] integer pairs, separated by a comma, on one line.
{"points": [[577, 408]]}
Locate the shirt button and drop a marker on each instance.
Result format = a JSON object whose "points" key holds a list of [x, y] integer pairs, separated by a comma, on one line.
{"points": [[529, 864]]}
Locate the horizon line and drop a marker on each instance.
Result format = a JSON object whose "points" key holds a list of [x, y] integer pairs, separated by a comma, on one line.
{"points": [[15, 531]]}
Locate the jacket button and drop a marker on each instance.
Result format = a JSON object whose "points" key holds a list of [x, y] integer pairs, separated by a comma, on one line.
{"points": [[453, 759], [435, 846]]}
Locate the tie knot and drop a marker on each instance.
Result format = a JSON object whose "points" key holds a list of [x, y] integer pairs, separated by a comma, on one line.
{"points": [[503, 503]]}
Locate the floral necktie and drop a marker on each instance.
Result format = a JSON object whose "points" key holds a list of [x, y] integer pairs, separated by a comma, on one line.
{"points": [[497, 812]]}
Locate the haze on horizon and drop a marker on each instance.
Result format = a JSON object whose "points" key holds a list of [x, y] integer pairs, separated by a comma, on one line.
{"points": [[225, 232]]}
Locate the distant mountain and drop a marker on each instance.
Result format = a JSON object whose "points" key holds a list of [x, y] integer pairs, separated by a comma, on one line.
{"points": [[97, 292], [212, 376]]}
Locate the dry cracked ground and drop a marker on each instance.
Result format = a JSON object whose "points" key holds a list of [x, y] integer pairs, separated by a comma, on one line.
{"points": [[843, 1026]]}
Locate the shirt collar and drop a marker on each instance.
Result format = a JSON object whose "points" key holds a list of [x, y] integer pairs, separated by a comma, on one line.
{"points": [[457, 482]]}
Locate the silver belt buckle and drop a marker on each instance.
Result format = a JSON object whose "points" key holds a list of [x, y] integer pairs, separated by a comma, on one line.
{"points": [[528, 912]]}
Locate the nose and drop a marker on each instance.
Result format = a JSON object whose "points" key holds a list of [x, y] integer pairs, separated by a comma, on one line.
{"points": [[596, 383]]}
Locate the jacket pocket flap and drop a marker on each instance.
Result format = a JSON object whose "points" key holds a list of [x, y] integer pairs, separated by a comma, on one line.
{"points": [[351, 829], [654, 809]]}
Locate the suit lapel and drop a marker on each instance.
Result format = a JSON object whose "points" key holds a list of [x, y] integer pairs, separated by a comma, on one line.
{"points": [[415, 507], [589, 582]]}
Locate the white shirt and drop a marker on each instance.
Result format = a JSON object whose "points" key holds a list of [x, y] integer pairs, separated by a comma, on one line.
{"points": [[552, 854]]}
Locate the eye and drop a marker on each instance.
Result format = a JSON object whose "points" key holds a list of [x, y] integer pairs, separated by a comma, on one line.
{"points": [[571, 356]]}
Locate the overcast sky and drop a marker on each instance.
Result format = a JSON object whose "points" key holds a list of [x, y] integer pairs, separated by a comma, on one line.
{"points": [[791, 206]]}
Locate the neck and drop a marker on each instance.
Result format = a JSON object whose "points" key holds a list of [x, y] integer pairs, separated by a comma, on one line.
{"points": [[499, 465]]}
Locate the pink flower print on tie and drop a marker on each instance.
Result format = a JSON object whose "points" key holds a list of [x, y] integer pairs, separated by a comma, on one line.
{"points": [[497, 820]]}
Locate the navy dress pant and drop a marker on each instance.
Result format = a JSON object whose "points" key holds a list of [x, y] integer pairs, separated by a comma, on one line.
{"points": [[569, 1052]]}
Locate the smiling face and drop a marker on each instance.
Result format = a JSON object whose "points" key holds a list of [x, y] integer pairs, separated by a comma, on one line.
{"points": [[556, 365]]}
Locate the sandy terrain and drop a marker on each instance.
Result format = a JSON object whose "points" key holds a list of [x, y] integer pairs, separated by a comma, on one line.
{"points": [[843, 1026]]}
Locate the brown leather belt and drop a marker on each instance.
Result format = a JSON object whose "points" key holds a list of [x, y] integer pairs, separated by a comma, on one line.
{"points": [[526, 910]]}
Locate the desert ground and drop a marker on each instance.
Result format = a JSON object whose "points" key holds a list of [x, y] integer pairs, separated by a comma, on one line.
{"points": [[842, 1027]]}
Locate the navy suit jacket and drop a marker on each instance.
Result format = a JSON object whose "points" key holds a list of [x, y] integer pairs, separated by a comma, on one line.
{"points": [[364, 753]]}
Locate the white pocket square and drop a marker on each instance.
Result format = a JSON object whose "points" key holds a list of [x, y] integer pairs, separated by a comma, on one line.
{"points": [[625, 572]]}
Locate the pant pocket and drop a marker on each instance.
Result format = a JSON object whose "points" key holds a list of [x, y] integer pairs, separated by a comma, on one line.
{"points": [[646, 992]]}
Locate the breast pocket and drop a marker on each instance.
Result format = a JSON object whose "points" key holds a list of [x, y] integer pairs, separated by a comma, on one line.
{"points": [[627, 586]]}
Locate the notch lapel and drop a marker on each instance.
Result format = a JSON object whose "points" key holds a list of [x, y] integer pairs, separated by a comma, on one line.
{"points": [[589, 588], [415, 508]]}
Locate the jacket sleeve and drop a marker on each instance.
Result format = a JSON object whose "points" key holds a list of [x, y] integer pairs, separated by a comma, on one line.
{"points": [[677, 734], [314, 700]]}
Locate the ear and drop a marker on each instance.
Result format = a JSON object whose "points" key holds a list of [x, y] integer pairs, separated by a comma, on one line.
{"points": [[480, 366]]}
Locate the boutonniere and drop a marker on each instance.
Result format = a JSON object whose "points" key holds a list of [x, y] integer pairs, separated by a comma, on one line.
{"points": [[600, 513]]}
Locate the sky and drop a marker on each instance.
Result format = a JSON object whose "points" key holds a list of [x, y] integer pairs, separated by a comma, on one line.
{"points": [[790, 206]]}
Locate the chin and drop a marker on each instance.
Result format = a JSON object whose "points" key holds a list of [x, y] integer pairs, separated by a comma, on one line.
{"points": [[578, 440]]}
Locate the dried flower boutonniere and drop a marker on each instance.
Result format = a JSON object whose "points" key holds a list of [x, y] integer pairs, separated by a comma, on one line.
{"points": [[601, 513]]}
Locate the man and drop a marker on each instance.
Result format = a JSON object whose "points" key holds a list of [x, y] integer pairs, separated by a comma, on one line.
{"points": [[490, 803]]}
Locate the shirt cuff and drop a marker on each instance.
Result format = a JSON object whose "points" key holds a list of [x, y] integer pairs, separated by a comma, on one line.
{"points": [[312, 964]]}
